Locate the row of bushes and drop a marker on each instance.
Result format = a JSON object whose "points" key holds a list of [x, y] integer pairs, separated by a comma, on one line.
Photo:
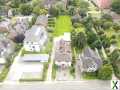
{"points": [[54, 70], [72, 68]]}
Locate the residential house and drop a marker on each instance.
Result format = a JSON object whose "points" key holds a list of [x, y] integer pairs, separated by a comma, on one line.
{"points": [[35, 38], [6, 47], [63, 54], [48, 3], [20, 24], [89, 61], [102, 4], [4, 25], [42, 20]]}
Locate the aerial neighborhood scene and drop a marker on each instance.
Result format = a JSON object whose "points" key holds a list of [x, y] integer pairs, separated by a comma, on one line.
{"points": [[59, 40]]}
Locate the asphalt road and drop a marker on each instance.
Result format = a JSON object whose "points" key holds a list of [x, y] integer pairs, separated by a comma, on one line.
{"points": [[81, 85]]}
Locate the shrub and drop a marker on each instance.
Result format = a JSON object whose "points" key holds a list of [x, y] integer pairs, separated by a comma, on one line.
{"points": [[105, 73]]}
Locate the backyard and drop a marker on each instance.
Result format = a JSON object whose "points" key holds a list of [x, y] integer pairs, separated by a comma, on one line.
{"points": [[63, 24]]}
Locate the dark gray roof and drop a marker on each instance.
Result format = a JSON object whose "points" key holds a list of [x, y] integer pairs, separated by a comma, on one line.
{"points": [[48, 2], [6, 47], [89, 57], [42, 20], [63, 51]]}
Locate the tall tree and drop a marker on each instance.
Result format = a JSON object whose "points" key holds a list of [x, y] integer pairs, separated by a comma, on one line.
{"points": [[79, 40]]}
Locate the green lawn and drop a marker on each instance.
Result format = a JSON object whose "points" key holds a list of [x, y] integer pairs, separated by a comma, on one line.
{"points": [[63, 24]]}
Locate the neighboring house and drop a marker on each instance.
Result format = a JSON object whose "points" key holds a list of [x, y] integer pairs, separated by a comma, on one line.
{"points": [[102, 4], [42, 20], [6, 47], [35, 38], [4, 25], [35, 58], [90, 61], [20, 24], [63, 54], [48, 3]]}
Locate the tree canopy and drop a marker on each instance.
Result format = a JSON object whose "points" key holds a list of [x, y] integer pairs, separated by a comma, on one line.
{"points": [[116, 6]]}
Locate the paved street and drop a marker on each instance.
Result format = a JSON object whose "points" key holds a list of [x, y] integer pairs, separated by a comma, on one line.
{"points": [[81, 85]]}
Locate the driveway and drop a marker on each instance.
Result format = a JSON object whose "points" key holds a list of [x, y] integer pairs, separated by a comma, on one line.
{"points": [[19, 68], [63, 75]]}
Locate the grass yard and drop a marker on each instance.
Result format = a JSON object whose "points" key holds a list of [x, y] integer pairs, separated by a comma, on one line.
{"points": [[89, 76], [116, 68], [63, 24]]}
